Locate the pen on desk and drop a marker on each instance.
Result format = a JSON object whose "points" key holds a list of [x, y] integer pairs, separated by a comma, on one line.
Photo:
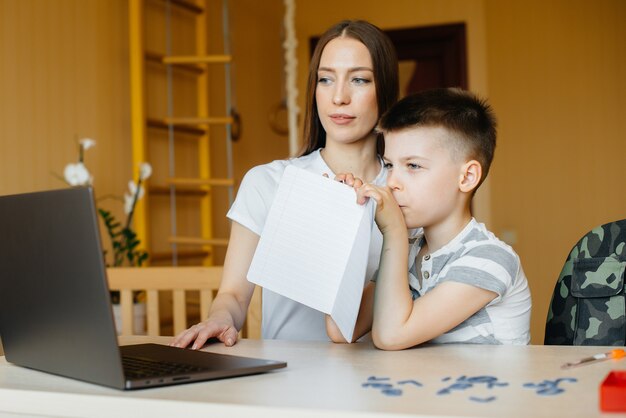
{"points": [[616, 354]]}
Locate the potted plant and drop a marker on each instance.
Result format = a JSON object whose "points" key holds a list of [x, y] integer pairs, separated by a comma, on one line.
{"points": [[124, 242]]}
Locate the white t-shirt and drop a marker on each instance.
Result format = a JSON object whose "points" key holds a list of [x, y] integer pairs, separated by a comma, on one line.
{"points": [[283, 318], [478, 258]]}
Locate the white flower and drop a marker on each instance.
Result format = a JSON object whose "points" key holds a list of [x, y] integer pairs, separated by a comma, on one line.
{"points": [[77, 175], [87, 143], [130, 197], [145, 171], [128, 203], [132, 187]]}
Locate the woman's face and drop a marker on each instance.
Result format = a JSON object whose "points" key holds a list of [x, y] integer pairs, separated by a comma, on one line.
{"points": [[346, 91]]}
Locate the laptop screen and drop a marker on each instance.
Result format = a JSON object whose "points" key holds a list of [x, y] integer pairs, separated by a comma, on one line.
{"points": [[56, 313]]}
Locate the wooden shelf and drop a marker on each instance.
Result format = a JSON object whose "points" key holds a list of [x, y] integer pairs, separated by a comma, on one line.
{"points": [[219, 242], [157, 58], [197, 59], [214, 120], [161, 124], [183, 254], [179, 181], [186, 5], [180, 191]]}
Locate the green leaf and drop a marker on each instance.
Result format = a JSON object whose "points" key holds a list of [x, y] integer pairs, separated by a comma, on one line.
{"points": [[123, 241]]}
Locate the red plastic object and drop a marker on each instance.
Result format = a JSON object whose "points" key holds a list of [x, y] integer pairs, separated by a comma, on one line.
{"points": [[613, 392]]}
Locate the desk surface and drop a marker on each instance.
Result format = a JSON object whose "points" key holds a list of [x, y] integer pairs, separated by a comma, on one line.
{"points": [[324, 379]]}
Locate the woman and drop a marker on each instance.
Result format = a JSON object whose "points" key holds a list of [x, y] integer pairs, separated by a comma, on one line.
{"points": [[353, 79]]}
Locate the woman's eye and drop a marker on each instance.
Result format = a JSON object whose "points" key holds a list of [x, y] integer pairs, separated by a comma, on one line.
{"points": [[413, 166], [359, 80], [388, 166], [323, 80]]}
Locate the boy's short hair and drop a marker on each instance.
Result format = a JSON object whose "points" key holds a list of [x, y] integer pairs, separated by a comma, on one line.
{"points": [[459, 111]]}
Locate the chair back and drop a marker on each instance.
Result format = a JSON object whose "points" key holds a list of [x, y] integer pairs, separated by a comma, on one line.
{"points": [[588, 305], [176, 281]]}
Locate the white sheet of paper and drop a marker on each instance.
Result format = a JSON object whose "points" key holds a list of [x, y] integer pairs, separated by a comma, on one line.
{"points": [[314, 246]]}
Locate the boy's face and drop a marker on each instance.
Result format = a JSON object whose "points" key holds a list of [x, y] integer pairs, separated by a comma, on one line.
{"points": [[423, 175]]}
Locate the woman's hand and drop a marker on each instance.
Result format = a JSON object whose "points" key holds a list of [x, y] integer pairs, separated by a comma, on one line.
{"points": [[349, 179], [199, 334]]}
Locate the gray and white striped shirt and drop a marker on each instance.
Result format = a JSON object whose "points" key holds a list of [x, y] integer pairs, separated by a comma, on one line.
{"points": [[478, 258]]}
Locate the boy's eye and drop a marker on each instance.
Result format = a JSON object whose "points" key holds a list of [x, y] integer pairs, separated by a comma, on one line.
{"points": [[388, 166], [414, 166]]}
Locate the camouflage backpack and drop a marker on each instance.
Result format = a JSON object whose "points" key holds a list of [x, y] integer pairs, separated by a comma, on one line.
{"points": [[588, 304]]}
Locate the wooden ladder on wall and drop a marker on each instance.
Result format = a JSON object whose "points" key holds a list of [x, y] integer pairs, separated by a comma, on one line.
{"points": [[181, 76], [189, 146]]}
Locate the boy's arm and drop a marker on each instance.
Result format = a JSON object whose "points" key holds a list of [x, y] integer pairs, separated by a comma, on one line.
{"points": [[363, 321], [393, 302], [401, 325], [399, 322]]}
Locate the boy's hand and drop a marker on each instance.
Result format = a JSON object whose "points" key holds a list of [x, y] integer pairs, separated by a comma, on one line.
{"points": [[388, 214]]}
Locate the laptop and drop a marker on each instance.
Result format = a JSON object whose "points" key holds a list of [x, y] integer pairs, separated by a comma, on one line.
{"points": [[55, 307]]}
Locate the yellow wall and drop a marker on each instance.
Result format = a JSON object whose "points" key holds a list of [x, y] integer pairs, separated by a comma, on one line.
{"points": [[556, 79], [63, 76]]}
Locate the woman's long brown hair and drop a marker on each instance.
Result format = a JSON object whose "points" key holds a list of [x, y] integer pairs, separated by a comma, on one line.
{"points": [[384, 61]]}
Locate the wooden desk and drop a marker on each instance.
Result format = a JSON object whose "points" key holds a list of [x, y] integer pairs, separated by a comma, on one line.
{"points": [[324, 379]]}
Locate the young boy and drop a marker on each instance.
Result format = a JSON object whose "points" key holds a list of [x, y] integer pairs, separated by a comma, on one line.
{"points": [[463, 284]]}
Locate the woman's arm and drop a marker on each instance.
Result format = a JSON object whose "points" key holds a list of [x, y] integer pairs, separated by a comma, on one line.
{"points": [[228, 310]]}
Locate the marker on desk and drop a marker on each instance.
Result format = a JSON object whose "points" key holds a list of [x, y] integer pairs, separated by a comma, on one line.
{"points": [[616, 354]]}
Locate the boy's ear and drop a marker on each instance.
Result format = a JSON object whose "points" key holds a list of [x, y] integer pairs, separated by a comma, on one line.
{"points": [[471, 173]]}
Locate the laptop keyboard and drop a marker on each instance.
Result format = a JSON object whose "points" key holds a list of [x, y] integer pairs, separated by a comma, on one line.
{"points": [[139, 368]]}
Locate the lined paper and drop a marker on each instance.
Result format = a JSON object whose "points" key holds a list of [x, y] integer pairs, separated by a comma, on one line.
{"points": [[314, 246]]}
